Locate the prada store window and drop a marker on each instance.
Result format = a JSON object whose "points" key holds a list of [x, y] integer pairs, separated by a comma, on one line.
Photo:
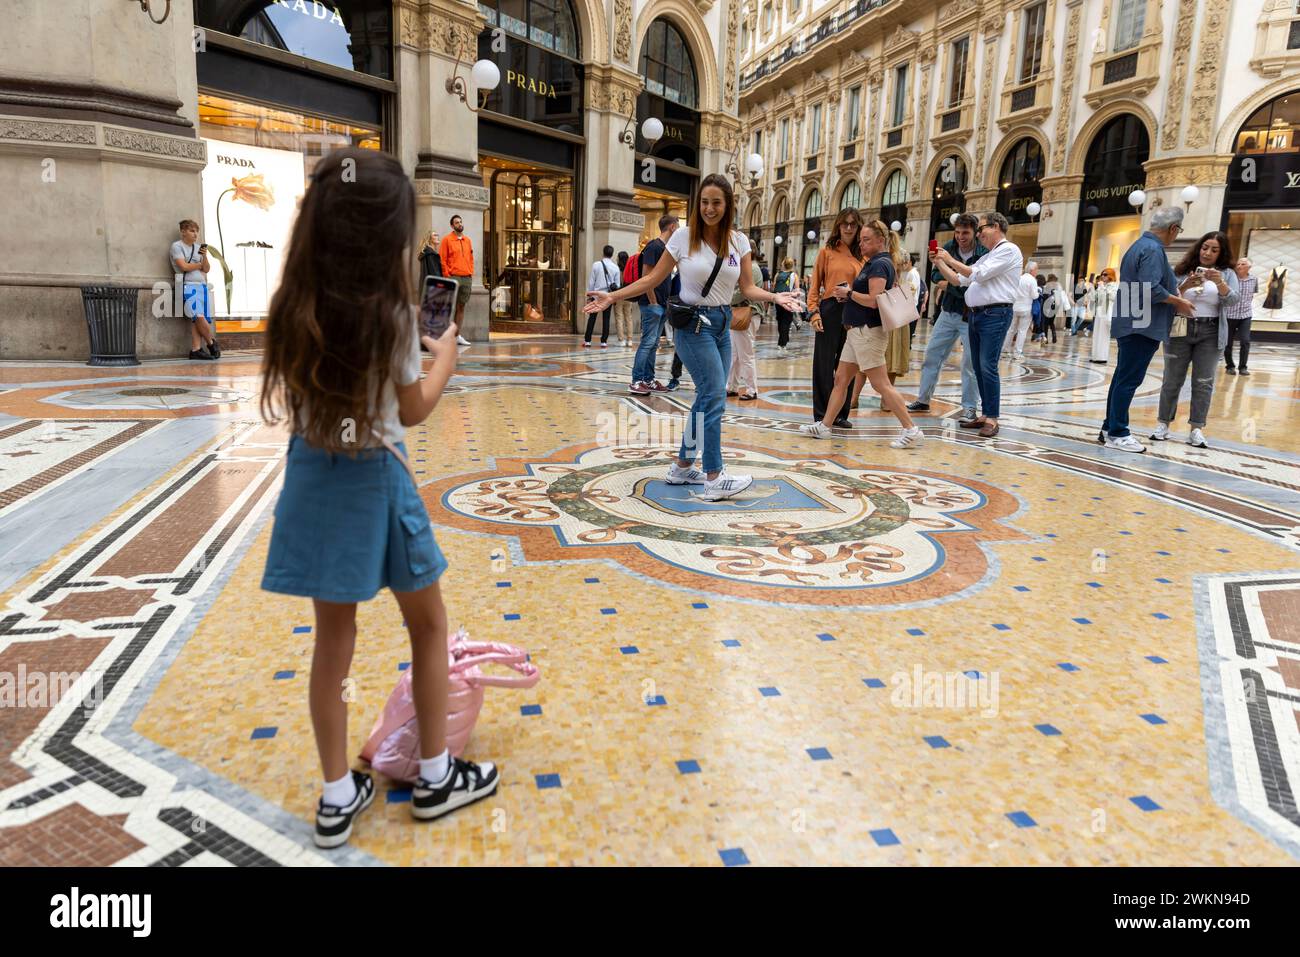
{"points": [[349, 34], [529, 231]]}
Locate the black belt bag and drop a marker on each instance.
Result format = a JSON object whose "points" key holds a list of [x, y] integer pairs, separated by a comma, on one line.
{"points": [[681, 315]]}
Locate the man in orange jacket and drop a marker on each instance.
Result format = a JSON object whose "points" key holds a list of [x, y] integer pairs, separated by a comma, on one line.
{"points": [[457, 254]]}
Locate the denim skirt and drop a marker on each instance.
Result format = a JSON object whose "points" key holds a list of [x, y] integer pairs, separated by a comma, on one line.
{"points": [[347, 526]]}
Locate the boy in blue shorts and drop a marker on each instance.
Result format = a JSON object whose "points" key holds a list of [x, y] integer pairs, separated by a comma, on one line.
{"points": [[190, 262]]}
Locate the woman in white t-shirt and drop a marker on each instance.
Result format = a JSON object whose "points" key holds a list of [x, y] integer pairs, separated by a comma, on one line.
{"points": [[704, 345]]}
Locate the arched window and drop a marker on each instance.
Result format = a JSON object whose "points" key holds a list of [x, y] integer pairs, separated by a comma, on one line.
{"points": [[1024, 164], [1273, 128], [895, 189], [547, 23], [851, 198], [782, 211], [667, 66], [813, 206], [951, 178], [754, 211]]}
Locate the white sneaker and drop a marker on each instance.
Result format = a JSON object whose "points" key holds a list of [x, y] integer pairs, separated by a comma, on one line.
{"points": [[908, 439], [968, 413], [1125, 444], [782, 351], [680, 476], [817, 430], [1161, 433], [1197, 438], [725, 486], [1018, 356], [462, 341]]}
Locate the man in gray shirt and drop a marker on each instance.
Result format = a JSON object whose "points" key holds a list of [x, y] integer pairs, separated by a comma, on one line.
{"points": [[190, 263]]}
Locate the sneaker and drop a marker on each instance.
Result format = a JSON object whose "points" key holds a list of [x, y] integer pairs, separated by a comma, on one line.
{"points": [[1101, 437], [639, 388], [334, 824], [658, 386], [1161, 433], [782, 351], [843, 423], [466, 783], [1231, 370], [967, 412], [1196, 438], [202, 354], [680, 476], [673, 384], [214, 349], [1125, 444], [1243, 371], [817, 430], [604, 345], [725, 486], [462, 341], [908, 439], [586, 345], [1018, 356], [918, 406]]}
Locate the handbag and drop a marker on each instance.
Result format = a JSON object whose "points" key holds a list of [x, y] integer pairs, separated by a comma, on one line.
{"points": [[681, 315], [896, 308], [741, 316], [393, 748]]}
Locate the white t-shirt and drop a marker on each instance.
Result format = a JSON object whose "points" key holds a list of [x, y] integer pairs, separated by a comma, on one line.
{"points": [[405, 370], [694, 269], [189, 254], [1026, 293], [1205, 300]]}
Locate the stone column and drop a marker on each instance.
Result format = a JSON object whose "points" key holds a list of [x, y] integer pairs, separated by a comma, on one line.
{"points": [[1058, 224], [1166, 179], [611, 165], [917, 236], [437, 136], [99, 161]]}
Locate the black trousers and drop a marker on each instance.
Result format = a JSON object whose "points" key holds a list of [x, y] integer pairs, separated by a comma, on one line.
{"points": [[826, 356], [1238, 329], [783, 320], [604, 324]]}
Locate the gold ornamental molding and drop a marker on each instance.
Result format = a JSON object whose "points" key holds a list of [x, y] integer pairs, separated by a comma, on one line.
{"points": [[1060, 189], [1178, 171], [613, 89], [1173, 123], [1209, 76], [732, 75], [988, 103], [1065, 105], [623, 31]]}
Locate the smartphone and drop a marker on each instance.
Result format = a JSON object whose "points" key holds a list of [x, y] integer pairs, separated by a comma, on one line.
{"points": [[203, 247], [934, 245], [1200, 270], [438, 306]]}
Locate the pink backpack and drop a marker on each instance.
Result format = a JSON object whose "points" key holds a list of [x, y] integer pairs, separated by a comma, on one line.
{"points": [[393, 748]]}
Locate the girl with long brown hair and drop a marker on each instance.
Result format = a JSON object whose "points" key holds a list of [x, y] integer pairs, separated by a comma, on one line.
{"points": [[342, 367], [711, 259], [838, 263]]}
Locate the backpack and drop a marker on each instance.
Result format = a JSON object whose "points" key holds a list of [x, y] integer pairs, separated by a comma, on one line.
{"points": [[782, 283], [393, 748], [632, 271]]}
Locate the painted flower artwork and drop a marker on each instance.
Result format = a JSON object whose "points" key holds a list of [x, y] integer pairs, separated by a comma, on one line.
{"points": [[251, 189]]}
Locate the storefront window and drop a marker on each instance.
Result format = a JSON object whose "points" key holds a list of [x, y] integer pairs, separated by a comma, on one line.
{"points": [[667, 66], [1114, 168], [259, 161], [949, 196], [350, 34], [1019, 186], [851, 198], [548, 23], [530, 240], [1273, 127]]}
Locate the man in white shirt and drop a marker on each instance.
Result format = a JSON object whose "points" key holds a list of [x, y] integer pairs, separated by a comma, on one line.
{"points": [[604, 278], [991, 284], [1022, 311]]}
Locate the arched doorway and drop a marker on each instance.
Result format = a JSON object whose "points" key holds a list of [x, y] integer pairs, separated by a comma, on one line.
{"points": [[812, 223], [893, 201], [1019, 184], [1108, 225], [671, 95], [949, 194], [781, 244], [1261, 206]]}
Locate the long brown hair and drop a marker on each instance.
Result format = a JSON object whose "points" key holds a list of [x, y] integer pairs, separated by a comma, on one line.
{"points": [[695, 224], [833, 240], [342, 306], [1193, 257]]}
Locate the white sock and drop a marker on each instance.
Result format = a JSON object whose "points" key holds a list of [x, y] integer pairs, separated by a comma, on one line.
{"points": [[435, 770], [342, 792]]}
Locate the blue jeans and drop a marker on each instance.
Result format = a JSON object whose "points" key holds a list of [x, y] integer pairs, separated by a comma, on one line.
{"points": [[988, 329], [652, 324], [1135, 352], [947, 329], [707, 356]]}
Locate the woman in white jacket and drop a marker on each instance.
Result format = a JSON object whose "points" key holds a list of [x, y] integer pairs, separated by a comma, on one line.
{"points": [[1103, 307]]}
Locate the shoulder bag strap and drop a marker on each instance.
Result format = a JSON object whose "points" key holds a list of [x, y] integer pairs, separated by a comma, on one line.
{"points": [[704, 293]]}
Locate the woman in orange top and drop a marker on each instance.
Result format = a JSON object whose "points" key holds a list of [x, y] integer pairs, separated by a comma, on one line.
{"points": [[837, 266]]}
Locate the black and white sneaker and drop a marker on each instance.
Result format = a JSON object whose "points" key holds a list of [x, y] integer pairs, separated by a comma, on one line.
{"points": [[334, 824], [466, 783]]}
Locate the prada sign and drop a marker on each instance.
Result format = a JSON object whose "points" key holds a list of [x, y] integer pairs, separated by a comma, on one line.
{"points": [[537, 85]]}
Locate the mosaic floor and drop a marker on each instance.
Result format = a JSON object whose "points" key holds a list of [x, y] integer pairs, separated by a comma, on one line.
{"points": [[1030, 650]]}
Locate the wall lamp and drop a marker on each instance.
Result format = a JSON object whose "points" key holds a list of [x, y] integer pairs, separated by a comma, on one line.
{"points": [[652, 129], [147, 7], [483, 73]]}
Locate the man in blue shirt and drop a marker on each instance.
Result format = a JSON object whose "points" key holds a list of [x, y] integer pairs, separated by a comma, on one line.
{"points": [[1144, 309], [652, 312]]}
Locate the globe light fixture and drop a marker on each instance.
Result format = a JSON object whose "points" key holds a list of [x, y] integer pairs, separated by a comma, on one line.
{"points": [[484, 74], [896, 226], [754, 165], [652, 129], [1137, 198], [812, 235], [1033, 209], [952, 220], [778, 240], [1189, 195]]}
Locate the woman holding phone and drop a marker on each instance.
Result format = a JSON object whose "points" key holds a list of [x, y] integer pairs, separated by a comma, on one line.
{"points": [[711, 259], [838, 262]]}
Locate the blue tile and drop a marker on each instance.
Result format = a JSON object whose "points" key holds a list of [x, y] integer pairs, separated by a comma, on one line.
{"points": [[937, 741], [403, 665], [609, 611], [511, 617], [282, 675], [973, 675], [825, 637], [1180, 529], [1039, 558], [545, 781], [1157, 660], [1001, 627], [818, 754], [1094, 584], [733, 857], [1223, 551], [884, 837], [657, 699], [1164, 553], [699, 604], [1153, 719], [1088, 515], [1051, 535], [1021, 819], [688, 767], [1164, 581], [769, 692], [1047, 729], [1126, 533], [503, 584], [630, 650], [915, 631], [259, 733], [302, 630], [530, 709], [1160, 615], [1021, 587], [398, 795], [1082, 621], [873, 682], [591, 581], [1066, 666], [1145, 803], [730, 643]]}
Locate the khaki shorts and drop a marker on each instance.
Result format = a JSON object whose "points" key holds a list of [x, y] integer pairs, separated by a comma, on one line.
{"points": [[865, 346], [464, 286]]}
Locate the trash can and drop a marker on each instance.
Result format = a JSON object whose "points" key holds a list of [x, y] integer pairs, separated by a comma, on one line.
{"points": [[110, 320]]}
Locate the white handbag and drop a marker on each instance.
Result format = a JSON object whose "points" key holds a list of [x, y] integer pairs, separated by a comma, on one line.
{"points": [[896, 308]]}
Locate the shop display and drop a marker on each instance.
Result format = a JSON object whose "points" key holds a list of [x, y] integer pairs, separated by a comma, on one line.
{"points": [[531, 244], [1271, 251]]}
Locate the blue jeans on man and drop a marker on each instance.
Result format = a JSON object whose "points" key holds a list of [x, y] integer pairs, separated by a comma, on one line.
{"points": [[707, 356], [1135, 353], [987, 329], [652, 325], [945, 332]]}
